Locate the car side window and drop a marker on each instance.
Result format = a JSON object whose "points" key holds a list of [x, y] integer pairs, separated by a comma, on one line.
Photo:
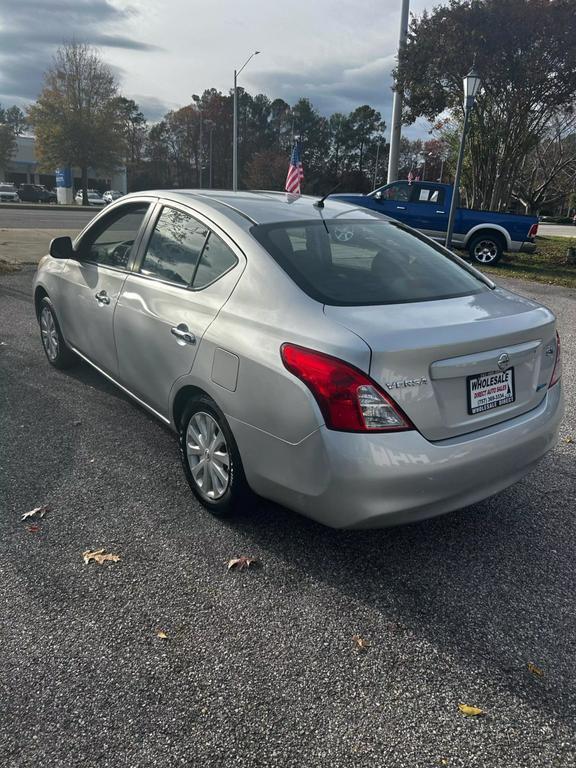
{"points": [[216, 260], [110, 241], [398, 192], [175, 247], [429, 195]]}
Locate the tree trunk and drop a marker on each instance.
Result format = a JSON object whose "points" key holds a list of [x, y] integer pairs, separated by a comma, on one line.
{"points": [[84, 185]]}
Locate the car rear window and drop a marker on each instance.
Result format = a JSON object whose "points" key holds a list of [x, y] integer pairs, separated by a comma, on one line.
{"points": [[353, 263]]}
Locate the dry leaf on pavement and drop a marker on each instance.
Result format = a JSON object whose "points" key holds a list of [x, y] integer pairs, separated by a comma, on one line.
{"points": [[162, 635], [535, 670], [39, 511], [99, 556], [242, 562], [470, 711], [568, 439], [360, 643]]}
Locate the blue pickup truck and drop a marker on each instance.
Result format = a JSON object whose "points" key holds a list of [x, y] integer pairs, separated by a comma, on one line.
{"points": [[425, 206]]}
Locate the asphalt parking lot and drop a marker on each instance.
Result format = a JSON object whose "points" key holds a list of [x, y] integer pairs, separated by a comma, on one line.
{"points": [[258, 667]]}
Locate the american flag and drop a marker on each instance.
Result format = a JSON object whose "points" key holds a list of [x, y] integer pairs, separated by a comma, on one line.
{"points": [[295, 171]]}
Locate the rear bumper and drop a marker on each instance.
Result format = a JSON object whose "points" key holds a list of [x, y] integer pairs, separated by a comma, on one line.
{"points": [[371, 481]]}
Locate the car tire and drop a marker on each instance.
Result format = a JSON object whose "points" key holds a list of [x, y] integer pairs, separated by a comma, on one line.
{"points": [[211, 459], [57, 351], [486, 249]]}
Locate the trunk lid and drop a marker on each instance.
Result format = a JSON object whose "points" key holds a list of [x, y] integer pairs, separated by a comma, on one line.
{"points": [[429, 356]]}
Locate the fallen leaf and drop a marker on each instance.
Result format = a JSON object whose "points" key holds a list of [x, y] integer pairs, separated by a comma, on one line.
{"points": [[162, 635], [568, 439], [360, 643], [99, 556], [470, 711], [34, 528], [443, 761], [242, 562], [535, 670], [40, 511]]}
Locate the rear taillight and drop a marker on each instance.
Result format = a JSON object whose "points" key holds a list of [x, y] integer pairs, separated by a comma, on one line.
{"points": [[557, 372], [533, 230], [349, 400]]}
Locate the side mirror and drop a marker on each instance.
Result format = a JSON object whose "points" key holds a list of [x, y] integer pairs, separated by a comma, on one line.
{"points": [[61, 248], [378, 195]]}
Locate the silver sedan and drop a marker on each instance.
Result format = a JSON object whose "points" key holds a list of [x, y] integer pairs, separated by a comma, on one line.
{"points": [[363, 382]]}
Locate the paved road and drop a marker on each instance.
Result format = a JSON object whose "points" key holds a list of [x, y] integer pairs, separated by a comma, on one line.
{"points": [[258, 668], [556, 230], [29, 218]]}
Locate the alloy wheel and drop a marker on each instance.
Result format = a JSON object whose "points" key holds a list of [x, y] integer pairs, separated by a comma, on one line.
{"points": [[49, 334], [207, 455], [485, 251]]}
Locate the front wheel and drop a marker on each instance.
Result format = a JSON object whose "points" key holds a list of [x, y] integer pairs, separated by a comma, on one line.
{"points": [[210, 458], [57, 351], [486, 249]]}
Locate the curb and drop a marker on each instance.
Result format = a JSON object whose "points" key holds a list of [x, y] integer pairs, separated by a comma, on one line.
{"points": [[49, 207]]}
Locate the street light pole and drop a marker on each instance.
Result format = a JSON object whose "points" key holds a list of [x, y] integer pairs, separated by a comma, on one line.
{"points": [[396, 125], [210, 152], [471, 88], [376, 166], [235, 125], [196, 99]]}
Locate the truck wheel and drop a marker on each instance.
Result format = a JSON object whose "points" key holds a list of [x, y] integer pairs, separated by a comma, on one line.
{"points": [[486, 249]]}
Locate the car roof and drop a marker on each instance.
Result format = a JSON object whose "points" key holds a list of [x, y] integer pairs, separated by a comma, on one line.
{"points": [[262, 207]]}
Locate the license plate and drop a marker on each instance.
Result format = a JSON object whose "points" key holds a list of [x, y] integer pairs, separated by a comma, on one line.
{"points": [[490, 390]]}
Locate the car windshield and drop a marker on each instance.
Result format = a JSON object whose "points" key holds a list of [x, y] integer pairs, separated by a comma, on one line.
{"points": [[353, 263]]}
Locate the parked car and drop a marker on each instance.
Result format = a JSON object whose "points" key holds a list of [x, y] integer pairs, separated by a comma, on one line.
{"points": [[363, 382], [94, 198], [8, 193], [425, 206], [111, 195], [36, 193]]}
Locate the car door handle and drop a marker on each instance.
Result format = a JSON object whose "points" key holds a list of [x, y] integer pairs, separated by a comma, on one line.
{"points": [[440, 211], [183, 334], [400, 207], [102, 297]]}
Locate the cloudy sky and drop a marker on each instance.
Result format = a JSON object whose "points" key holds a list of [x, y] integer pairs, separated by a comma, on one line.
{"points": [[339, 53]]}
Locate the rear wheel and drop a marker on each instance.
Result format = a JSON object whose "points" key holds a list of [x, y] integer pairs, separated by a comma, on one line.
{"points": [[57, 351], [210, 458], [486, 249]]}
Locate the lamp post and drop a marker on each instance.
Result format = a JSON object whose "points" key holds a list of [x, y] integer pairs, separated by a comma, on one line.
{"points": [[235, 122], [196, 100], [471, 88]]}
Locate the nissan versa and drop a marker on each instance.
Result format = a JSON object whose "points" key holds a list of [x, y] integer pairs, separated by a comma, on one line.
{"points": [[363, 382]]}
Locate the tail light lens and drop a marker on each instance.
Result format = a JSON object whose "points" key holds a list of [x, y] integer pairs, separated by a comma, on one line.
{"points": [[533, 230], [349, 400], [557, 372]]}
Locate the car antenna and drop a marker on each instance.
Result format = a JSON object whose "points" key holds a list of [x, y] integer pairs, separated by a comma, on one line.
{"points": [[320, 203]]}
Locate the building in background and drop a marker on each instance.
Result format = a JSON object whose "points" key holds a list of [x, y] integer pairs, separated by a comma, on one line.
{"points": [[23, 169]]}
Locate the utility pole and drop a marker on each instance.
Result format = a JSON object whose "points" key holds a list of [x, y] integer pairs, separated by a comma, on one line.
{"points": [[396, 125]]}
